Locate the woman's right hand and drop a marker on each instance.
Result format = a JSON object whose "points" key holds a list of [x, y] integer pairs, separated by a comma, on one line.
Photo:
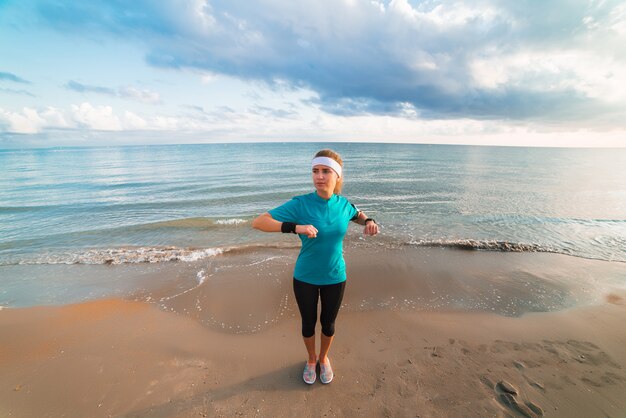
{"points": [[308, 230]]}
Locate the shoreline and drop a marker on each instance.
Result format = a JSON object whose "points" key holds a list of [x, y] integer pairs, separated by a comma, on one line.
{"points": [[405, 277]]}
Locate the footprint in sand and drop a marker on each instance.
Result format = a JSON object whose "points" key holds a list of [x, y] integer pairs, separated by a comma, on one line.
{"points": [[615, 299], [436, 351], [507, 395], [607, 378], [583, 345]]}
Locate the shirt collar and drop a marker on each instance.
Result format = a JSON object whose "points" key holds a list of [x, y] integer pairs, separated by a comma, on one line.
{"points": [[318, 198]]}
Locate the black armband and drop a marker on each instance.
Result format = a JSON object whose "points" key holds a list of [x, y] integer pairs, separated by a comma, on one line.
{"points": [[370, 219], [355, 218], [287, 227]]}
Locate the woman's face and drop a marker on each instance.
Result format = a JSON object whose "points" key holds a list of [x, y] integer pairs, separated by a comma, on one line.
{"points": [[324, 179]]}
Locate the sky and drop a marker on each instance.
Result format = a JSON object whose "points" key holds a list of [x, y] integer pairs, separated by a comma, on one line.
{"points": [[487, 72]]}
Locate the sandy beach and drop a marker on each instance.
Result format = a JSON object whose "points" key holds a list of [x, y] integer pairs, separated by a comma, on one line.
{"points": [[231, 346]]}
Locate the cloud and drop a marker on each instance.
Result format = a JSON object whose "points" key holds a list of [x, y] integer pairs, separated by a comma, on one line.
{"points": [[30, 120], [134, 122], [363, 106], [100, 118], [360, 57], [272, 112], [12, 77], [127, 92], [555, 61], [208, 78], [84, 116], [88, 124], [85, 88], [145, 96], [96, 117], [89, 117], [195, 108], [20, 92], [26, 122]]}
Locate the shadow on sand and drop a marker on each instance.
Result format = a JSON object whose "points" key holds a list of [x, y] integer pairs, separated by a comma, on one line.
{"points": [[287, 379]]}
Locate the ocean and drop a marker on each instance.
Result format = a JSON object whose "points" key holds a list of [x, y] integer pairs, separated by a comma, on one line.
{"points": [[147, 207]]}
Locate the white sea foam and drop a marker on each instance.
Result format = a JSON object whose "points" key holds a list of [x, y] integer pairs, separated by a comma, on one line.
{"points": [[135, 255], [231, 221], [196, 255], [489, 245], [201, 276]]}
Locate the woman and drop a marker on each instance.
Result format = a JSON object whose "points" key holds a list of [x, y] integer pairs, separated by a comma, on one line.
{"points": [[321, 221]]}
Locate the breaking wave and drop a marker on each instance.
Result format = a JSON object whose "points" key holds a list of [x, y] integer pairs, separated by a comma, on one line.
{"points": [[116, 256], [488, 245], [199, 222], [136, 255]]}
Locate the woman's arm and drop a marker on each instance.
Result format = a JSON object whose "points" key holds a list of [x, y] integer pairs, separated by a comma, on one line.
{"points": [[266, 223], [371, 227]]}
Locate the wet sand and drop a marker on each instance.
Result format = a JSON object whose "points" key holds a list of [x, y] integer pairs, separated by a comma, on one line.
{"points": [[421, 334]]}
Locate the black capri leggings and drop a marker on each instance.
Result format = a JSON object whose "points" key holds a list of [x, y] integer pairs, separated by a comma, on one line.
{"points": [[307, 295]]}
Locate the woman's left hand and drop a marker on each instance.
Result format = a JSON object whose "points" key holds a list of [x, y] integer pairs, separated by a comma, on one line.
{"points": [[371, 228]]}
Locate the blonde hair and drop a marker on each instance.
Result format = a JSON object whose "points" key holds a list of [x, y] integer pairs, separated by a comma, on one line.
{"points": [[332, 154]]}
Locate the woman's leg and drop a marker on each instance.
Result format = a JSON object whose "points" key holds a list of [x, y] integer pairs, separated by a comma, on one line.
{"points": [[309, 343], [306, 297], [331, 297], [325, 347]]}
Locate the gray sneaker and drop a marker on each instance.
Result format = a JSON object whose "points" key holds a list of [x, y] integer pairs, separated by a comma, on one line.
{"points": [[309, 374], [326, 373]]}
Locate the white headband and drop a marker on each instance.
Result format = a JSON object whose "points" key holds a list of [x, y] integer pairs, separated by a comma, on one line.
{"points": [[327, 162]]}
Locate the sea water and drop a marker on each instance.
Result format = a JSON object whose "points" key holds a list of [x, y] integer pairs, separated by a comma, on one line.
{"points": [[172, 203]]}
